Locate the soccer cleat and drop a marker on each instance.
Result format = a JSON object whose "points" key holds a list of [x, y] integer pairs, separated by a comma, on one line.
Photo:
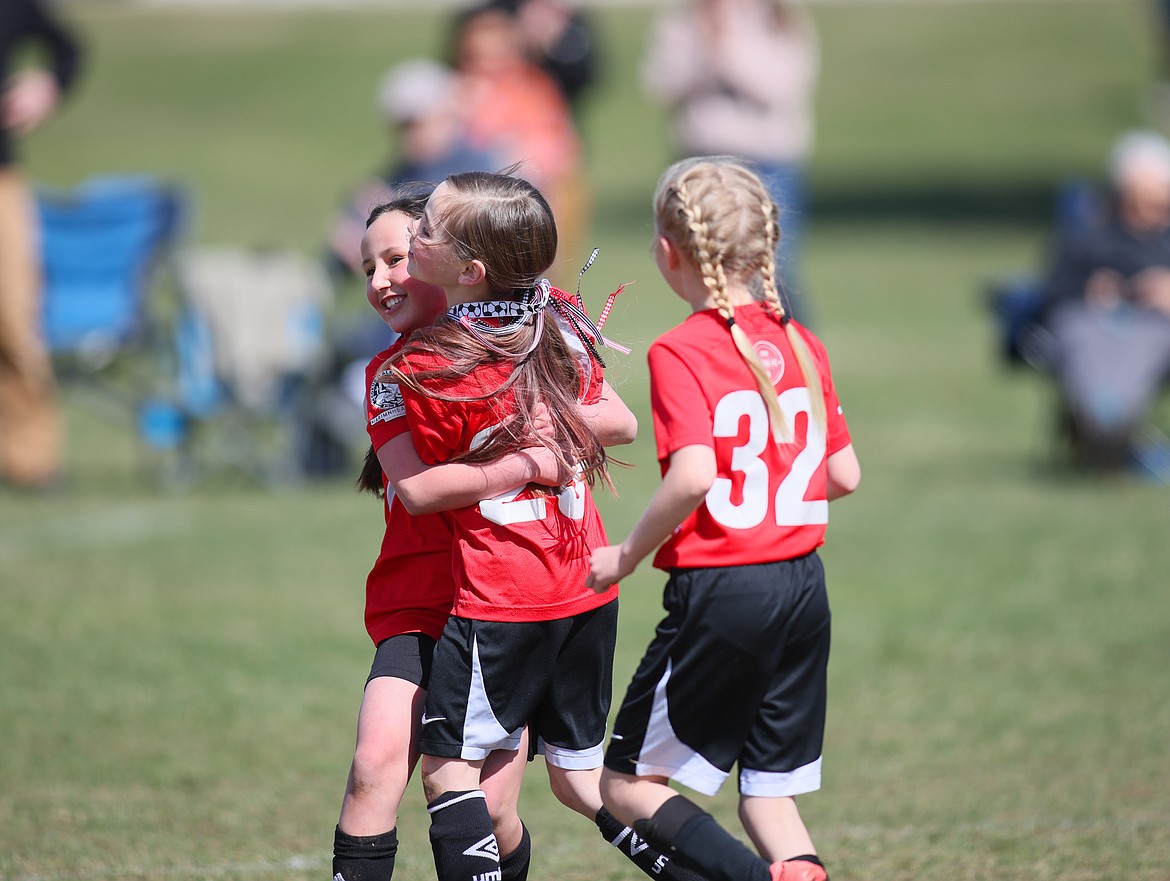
{"points": [[798, 870]]}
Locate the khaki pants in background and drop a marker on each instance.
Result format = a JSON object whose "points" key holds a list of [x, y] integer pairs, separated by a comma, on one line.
{"points": [[30, 425]]}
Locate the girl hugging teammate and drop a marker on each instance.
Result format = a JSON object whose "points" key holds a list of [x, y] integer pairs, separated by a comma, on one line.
{"points": [[527, 643]]}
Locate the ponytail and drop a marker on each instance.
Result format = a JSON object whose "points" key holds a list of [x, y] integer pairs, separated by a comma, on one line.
{"points": [[370, 479]]}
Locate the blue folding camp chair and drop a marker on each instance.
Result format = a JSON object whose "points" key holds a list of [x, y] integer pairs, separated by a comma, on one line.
{"points": [[102, 246], [106, 246]]}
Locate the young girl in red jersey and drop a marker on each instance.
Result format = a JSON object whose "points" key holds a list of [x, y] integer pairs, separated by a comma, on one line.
{"points": [[752, 448], [527, 643], [409, 590]]}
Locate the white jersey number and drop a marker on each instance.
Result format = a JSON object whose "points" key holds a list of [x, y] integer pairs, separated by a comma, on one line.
{"points": [[506, 510], [791, 508]]}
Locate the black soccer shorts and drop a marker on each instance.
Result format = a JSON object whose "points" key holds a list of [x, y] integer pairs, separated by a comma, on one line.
{"points": [[491, 678], [736, 673], [404, 656]]}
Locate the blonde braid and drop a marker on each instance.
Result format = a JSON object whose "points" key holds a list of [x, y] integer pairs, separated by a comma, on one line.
{"points": [[714, 277], [768, 264], [812, 379]]}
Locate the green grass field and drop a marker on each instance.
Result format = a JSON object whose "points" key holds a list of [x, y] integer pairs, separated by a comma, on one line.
{"points": [[180, 674]]}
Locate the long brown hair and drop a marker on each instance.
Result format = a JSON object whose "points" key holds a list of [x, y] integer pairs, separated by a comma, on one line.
{"points": [[504, 222]]}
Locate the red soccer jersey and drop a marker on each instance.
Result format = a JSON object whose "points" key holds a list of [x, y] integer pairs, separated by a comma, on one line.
{"points": [[524, 555], [409, 590], [768, 501]]}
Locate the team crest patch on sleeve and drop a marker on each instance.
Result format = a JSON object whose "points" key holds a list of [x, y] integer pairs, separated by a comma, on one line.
{"points": [[387, 398]]}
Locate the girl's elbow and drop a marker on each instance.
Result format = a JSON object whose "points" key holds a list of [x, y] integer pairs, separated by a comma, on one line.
{"points": [[696, 488], [627, 431], [843, 482], [416, 503], [847, 487]]}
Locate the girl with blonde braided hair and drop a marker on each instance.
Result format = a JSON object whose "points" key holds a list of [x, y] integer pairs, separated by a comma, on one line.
{"points": [[752, 449]]}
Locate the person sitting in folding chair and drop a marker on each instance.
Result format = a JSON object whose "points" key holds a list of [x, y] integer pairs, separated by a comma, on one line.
{"points": [[1108, 308], [30, 434]]}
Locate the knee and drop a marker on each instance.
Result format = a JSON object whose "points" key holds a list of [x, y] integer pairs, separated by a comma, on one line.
{"points": [[576, 790], [611, 790], [376, 766], [561, 789]]}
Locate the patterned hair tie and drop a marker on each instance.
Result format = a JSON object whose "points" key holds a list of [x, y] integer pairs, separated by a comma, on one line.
{"points": [[511, 313]]}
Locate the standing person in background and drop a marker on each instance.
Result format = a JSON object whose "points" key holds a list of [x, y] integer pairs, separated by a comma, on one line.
{"points": [[740, 77], [30, 429], [753, 445], [560, 39], [514, 109]]}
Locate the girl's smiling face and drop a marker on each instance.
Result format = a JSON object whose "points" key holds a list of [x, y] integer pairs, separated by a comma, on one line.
{"points": [[405, 303]]}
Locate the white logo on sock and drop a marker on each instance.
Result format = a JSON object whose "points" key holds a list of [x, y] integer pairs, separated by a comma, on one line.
{"points": [[637, 845], [487, 848]]}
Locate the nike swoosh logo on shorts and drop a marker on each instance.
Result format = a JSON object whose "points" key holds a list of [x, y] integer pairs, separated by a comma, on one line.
{"points": [[427, 720]]}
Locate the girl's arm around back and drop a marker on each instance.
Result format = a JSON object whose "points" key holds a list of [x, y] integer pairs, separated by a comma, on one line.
{"points": [[844, 473], [426, 489], [691, 472]]}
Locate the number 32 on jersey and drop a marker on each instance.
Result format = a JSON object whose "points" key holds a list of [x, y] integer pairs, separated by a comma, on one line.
{"points": [[789, 507]]}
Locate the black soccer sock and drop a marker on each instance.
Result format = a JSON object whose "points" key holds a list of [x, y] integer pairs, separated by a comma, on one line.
{"points": [[688, 834], [639, 851], [364, 857], [514, 866], [462, 839]]}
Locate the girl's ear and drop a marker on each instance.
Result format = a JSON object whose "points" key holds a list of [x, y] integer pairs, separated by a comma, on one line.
{"points": [[670, 254], [472, 272]]}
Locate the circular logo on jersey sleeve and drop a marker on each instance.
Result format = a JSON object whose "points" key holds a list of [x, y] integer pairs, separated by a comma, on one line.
{"points": [[384, 395], [772, 359]]}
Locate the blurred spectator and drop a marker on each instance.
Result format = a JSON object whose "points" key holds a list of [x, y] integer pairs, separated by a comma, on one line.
{"points": [[740, 77], [560, 39], [514, 108], [30, 429], [1108, 306], [417, 99]]}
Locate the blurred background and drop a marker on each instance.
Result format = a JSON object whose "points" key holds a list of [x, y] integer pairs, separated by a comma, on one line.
{"points": [[181, 644]]}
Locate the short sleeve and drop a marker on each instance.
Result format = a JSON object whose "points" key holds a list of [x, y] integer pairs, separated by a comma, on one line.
{"points": [[682, 415], [837, 432], [385, 410]]}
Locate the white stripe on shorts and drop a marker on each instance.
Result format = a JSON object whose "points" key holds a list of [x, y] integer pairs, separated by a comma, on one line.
{"points": [[482, 731], [572, 759], [664, 755], [774, 784]]}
